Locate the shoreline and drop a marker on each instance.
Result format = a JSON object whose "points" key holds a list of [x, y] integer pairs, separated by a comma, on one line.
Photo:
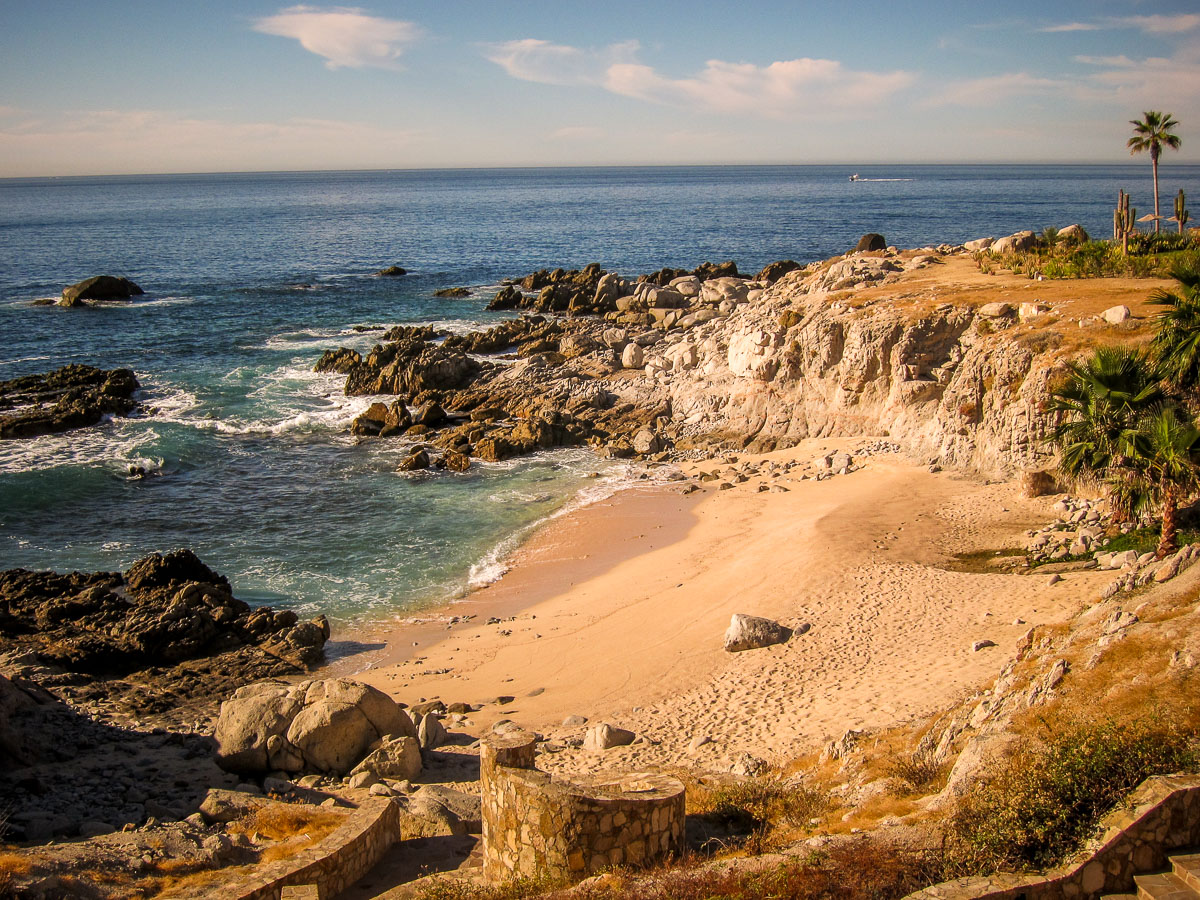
{"points": [[550, 554], [615, 612]]}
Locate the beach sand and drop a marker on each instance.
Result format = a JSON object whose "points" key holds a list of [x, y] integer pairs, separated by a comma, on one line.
{"points": [[616, 612]]}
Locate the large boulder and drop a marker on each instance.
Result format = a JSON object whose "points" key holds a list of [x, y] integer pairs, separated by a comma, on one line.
{"points": [[100, 288], [320, 726], [397, 757], [752, 632], [870, 242], [1020, 242]]}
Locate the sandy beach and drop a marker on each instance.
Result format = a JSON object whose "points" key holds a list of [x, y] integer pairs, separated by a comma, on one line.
{"points": [[616, 612]]}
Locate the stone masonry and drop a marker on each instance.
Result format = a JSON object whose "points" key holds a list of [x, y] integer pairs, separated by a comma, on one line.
{"points": [[536, 825]]}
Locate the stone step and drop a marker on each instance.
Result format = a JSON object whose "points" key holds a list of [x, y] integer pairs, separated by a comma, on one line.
{"points": [[1164, 886], [1187, 867]]}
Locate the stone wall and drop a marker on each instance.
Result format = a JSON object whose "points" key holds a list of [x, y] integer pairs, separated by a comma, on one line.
{"points": [[537, 825], [1163, 815], [332, 864]]}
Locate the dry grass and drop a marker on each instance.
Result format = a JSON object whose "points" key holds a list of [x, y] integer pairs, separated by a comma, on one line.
{"points": [[284, 821]]}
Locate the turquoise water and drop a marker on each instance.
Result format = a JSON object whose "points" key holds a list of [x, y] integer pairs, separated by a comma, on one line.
{"points": [[250, 277]]}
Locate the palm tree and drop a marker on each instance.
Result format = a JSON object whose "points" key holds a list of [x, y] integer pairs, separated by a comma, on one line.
{"points": [[1099, 406], [1176, 342], [1153, 132], [1163, 462]]}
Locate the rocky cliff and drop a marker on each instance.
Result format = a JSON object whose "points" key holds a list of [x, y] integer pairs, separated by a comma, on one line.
{"points": [[918, 345], [813, 356]]}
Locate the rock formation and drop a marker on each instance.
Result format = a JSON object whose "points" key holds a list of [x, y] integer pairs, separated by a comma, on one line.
{"points": [[710, 360], [166, 631], [324, 726], [99, 288], [75, 396]]}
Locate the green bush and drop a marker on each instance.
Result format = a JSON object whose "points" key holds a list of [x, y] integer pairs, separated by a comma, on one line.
{"points": [[1044, 801]]}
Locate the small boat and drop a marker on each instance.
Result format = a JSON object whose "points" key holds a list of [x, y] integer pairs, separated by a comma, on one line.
{"points": [[855, 177]]}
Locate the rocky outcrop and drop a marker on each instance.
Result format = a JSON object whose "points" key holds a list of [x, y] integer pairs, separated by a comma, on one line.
{"points": [[710, 360], [391, 272], [100, 288], [323, 726], [870, 243], [74, 396], [166, 631]]}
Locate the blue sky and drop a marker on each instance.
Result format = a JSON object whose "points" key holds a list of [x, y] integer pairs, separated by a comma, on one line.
{"points": [[134, 86]]}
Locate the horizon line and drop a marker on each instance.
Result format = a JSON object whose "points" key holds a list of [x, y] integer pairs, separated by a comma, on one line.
{"points": [[1133, 164]]}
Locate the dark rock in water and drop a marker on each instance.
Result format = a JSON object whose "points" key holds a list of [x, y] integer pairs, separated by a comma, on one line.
{"points": [[383, 420], [392, 272], [871, 242], [341, 361], [455, 461], [408, 364], [167, 631], [74, 396], [418, 460], [506, 298], [777, 270], [455, 292], [100, 288]]}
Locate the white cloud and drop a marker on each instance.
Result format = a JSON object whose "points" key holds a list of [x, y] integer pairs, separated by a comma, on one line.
{"points": [[995, 89], [777, 90], [1118, 62], [139, 141], [1155, 24], [1160, 24], [530, 59], [1071, 26], [345, 36]]}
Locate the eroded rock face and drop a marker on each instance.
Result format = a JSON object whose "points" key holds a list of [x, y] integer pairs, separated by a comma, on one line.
{"points": [[168, 615], [323, 726], [75, 396]]}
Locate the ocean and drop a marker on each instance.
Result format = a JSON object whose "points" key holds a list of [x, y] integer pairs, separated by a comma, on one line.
{"points": [[249, 277]]}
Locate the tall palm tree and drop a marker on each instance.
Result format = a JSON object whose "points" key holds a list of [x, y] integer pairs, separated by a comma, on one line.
{"points": [[1153, 132], [1099, 404], [1176, 342], [1163, 461]]}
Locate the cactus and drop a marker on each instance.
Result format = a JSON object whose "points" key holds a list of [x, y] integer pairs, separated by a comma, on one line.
{"points": [[1181, 212], [1123, 221]]}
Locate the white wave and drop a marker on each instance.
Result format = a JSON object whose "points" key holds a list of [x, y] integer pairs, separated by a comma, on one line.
{"points": [[114, 446], [323, 339], [158, 301]]}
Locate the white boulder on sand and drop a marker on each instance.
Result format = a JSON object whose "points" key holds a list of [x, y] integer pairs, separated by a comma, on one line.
{"points": [[752, 632]]}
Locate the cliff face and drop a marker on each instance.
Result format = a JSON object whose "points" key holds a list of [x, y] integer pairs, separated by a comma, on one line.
{"points": [[802, 360]]}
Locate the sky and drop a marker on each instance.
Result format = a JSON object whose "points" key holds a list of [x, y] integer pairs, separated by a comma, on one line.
{"points": [[147, 86]]}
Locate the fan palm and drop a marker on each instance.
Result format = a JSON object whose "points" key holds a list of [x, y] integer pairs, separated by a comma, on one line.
{"points": [[1163, 461], [1153, 132], [1176, 343], [1099, 405]]}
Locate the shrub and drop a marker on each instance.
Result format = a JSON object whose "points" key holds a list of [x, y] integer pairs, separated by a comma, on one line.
{"points": [[757, 803], [919, 771], [1045, 800]]}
